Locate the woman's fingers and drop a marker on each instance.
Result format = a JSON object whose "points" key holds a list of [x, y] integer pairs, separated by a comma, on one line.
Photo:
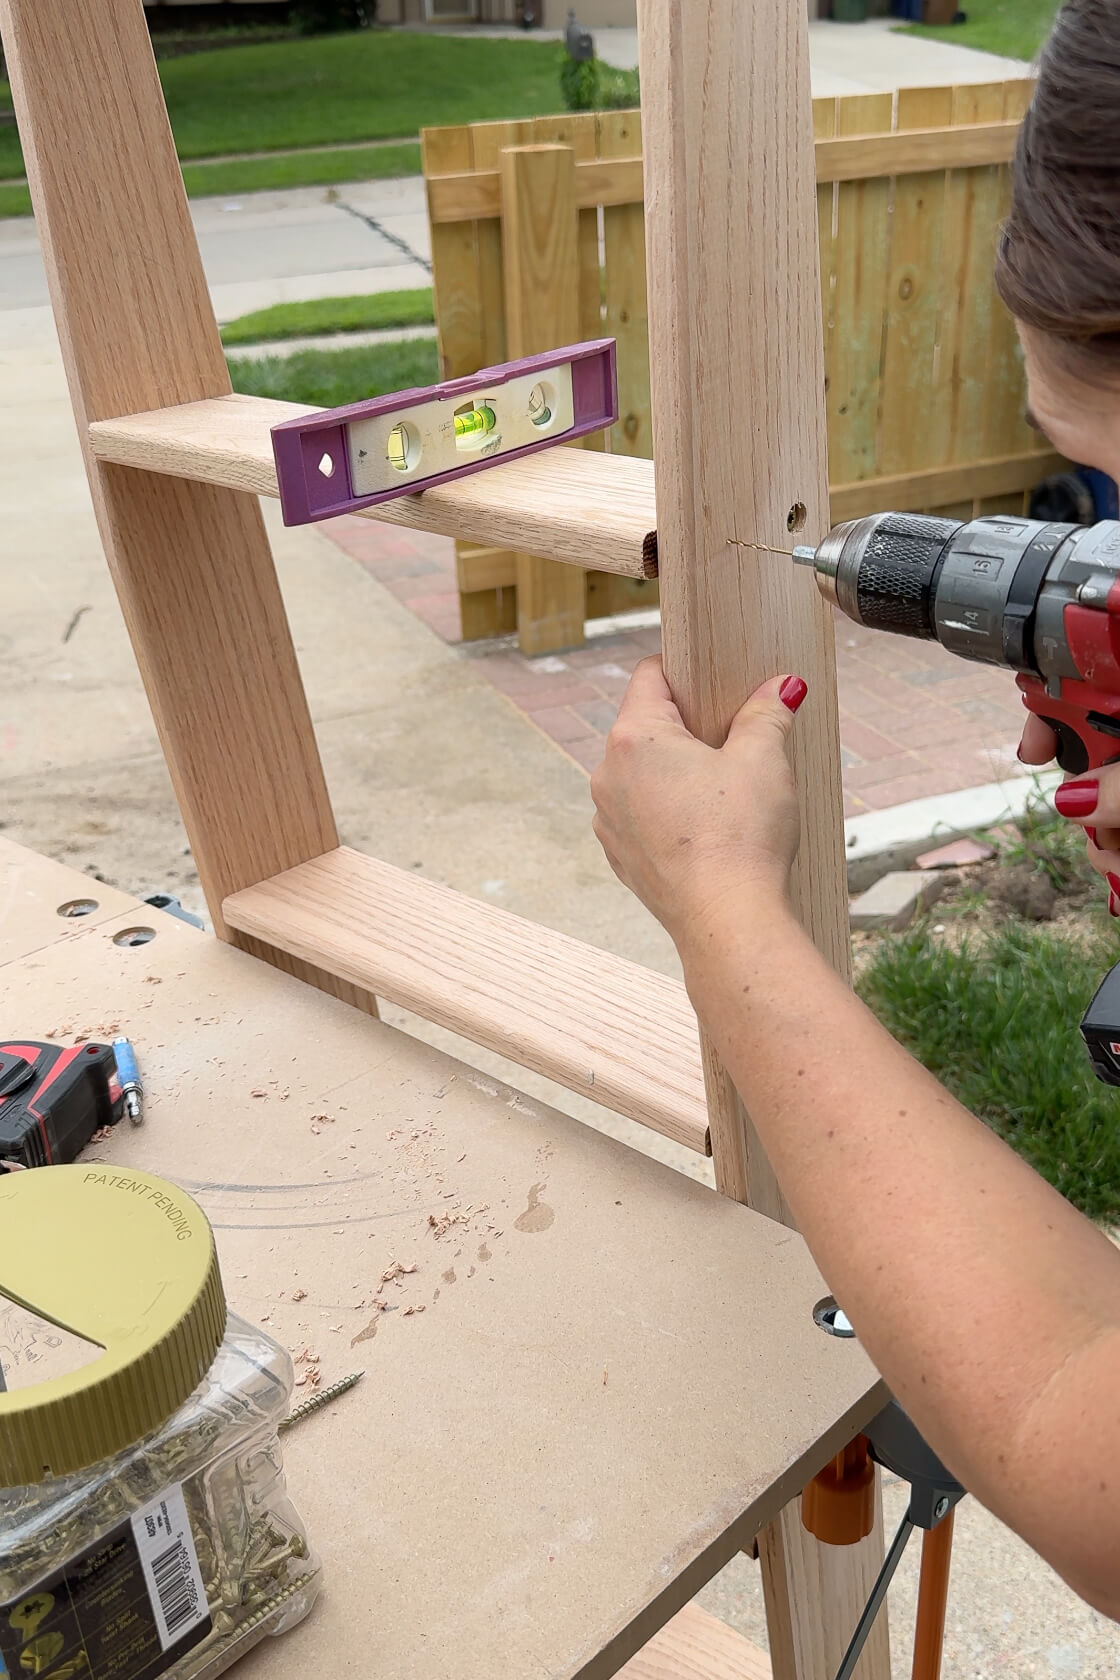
{"points": [[1092, 800], [1039, 743]]}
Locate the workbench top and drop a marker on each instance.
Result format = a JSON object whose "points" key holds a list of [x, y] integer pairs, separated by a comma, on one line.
{"points": [[594, 1380]]}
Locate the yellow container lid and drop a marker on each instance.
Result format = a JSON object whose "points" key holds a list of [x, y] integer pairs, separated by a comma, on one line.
{"points": [[123, 1260]]}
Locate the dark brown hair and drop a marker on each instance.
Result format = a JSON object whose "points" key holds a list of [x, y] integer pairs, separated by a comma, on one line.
{"points": [[1058, 267]]}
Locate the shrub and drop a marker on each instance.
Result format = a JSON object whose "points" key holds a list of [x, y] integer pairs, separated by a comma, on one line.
{"points": [[591, 85], [579, 83]]}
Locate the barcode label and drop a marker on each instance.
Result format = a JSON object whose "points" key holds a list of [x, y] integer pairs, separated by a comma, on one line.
{"points": [[170, 1564]]}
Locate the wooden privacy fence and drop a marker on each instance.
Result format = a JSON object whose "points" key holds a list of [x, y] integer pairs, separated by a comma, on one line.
{"points": [[538, 240]]}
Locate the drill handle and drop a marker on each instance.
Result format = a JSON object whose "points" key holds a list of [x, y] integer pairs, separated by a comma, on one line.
{"points": [[1086, 721]]}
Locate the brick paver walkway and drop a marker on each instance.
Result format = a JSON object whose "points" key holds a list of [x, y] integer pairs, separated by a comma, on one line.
{"points": [[914, 720]]}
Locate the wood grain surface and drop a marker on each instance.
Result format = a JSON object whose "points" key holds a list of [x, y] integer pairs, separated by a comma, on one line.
{"points": [[696, 1646], [569, 504], [456, 196], [190, 561], [739, 445], [607, 1028], [615, 1377]]}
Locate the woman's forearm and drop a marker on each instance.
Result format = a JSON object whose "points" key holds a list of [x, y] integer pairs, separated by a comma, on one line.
{"points": [[991, 1307]]}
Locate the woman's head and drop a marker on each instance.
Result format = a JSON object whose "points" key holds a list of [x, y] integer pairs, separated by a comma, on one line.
{"points": [[1058, 267]]}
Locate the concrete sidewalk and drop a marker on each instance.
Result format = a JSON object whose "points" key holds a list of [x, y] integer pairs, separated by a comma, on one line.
{"points": [[869, 57]]}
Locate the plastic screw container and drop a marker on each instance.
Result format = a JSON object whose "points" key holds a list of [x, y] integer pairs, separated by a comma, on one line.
{"points": [[180, 1549]]}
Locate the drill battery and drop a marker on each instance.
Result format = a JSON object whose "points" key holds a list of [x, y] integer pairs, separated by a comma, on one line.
{"points": [[52, 1099]]}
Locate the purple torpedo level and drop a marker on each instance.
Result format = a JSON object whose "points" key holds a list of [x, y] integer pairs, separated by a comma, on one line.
{"points": [[341, 460]]}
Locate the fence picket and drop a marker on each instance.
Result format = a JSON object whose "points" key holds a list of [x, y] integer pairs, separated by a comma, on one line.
{"points": [[921, 360]]}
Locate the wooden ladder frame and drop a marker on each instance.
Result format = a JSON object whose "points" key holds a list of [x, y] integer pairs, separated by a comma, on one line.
{"points": [[739, 443]]}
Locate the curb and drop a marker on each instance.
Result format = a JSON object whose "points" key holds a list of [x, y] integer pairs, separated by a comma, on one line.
{"points": [[883, 840]]}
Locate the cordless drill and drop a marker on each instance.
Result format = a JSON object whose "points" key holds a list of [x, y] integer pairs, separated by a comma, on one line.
{"points": [[1041, 599]]}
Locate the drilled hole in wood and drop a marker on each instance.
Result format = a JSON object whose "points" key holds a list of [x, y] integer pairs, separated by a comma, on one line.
{"points": [[134, 936], [78, 907], [832, 1319], [796, 517]]}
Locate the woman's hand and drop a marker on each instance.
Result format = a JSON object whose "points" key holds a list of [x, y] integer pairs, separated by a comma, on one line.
{"points": [[1093, 800], [690, 829]]}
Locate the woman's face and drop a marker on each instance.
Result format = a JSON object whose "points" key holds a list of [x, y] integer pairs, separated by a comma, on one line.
{"points": [[1081, 420]]}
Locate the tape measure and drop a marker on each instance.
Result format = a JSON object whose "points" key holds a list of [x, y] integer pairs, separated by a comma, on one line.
{"points": [[122, 1260]]}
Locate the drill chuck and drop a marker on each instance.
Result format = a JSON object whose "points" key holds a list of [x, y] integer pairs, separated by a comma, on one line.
{"points": [[883, 572], [992, 590]]}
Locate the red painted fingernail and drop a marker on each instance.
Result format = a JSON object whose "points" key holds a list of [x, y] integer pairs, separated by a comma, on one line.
{"points": [[1114, 884], [1113, 906], [793, 692], [1077, 799], [1091, 834]]}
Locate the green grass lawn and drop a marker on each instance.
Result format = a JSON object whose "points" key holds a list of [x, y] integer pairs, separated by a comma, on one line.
{"points": [[373, 85], [286, 169], [369, 313], [15, 200], [301, 169], [329, 378], [1011, 28], [997, 1022]]}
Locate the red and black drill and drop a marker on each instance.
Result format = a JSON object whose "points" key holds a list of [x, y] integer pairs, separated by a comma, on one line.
{"points": [[1041, 599]]}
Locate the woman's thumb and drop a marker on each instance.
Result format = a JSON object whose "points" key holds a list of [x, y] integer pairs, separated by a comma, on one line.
{"points": [[772, 706]]}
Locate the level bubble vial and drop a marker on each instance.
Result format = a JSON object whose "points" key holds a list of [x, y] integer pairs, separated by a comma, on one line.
{"points": [[541, 403], [473, 424], [403, 447]]}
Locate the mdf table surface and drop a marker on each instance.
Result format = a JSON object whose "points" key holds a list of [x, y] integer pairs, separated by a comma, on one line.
{"points": [[593, 1381]]}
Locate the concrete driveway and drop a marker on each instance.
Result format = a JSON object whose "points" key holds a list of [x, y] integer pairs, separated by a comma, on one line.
{"points": [[870, 57]]}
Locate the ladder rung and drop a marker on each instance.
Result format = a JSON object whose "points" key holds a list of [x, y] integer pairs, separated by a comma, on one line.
{"points": [[696, 1646], [615, 1032], [577, 505]]}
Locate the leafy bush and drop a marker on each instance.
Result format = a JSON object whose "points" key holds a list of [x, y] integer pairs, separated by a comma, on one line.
{"points": [[579, 83], [618, 89], [591, 85]]}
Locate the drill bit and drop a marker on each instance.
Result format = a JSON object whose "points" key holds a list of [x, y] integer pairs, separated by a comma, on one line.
{"points": [[324, 1396], [758, 548], [132, 1091]]}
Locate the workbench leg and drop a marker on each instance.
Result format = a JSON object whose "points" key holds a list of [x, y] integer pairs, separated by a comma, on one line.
{"points": [[739, 449]]}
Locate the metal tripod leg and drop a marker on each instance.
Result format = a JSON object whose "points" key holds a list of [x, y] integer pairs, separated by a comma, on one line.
{"points": [[878, 1594], [933, 1595], [934, 1492]]}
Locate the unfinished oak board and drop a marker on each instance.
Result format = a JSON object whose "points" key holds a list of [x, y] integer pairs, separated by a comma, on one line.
{"points": [[191, 562], [570, 504], [615, 1377], [696, 1646], [611, 1030], [739, 446]]}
